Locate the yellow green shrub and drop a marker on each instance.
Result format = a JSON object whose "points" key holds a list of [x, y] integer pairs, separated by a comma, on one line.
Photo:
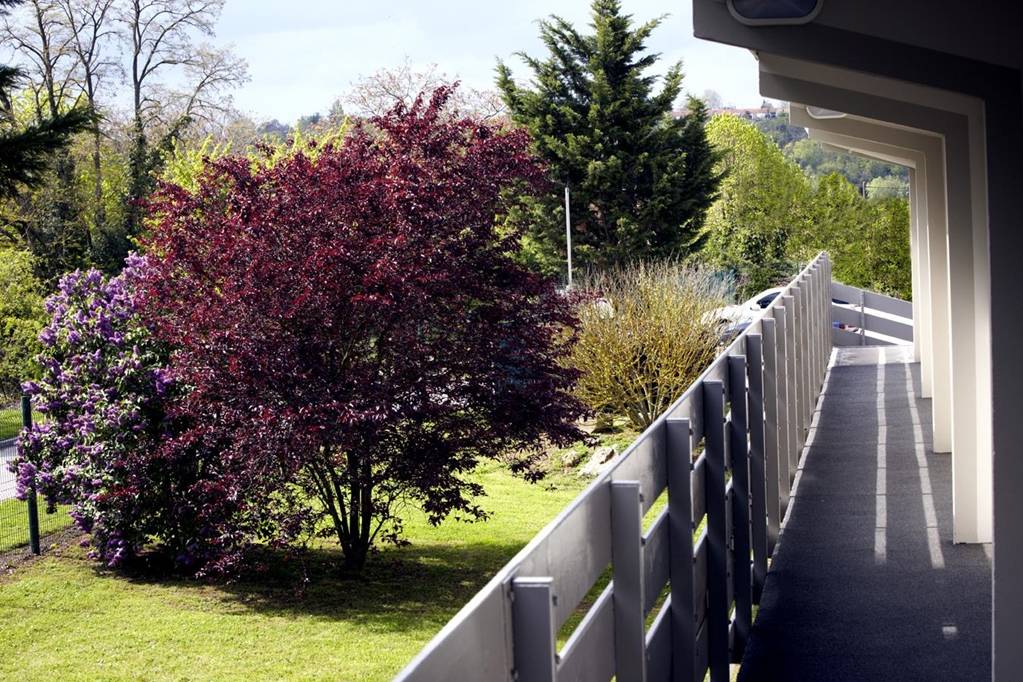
{"points": [[645, 335]]}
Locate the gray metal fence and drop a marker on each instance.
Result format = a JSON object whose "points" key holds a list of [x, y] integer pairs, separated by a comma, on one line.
{"points": [[724, 453], [22, 522]]}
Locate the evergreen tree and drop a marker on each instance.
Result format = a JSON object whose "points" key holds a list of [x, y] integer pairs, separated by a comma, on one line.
{"points": [[641, 180], [26, 151]]}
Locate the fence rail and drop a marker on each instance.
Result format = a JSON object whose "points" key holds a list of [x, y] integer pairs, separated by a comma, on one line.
{"points": [[724, 452], [878, 320]]}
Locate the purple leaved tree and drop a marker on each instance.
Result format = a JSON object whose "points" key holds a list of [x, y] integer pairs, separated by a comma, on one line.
{"points": [[355, 321]]}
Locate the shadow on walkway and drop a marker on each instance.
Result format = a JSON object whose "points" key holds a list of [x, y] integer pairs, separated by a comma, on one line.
{"points": [[866, 583]]}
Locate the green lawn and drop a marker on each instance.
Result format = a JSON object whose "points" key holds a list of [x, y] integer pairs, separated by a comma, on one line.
{"points": [[63, 618], [10, 422], [14, 524]]}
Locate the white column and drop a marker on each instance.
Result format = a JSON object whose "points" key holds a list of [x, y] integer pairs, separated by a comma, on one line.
{"points": [[922, 325], [914, 265], [950, 118], [937, 259]]}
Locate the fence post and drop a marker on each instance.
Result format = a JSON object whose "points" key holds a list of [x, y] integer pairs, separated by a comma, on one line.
{"points": [[817, 340], [717, 531], [680, 546], [757, 466], [863, 319], [785, 401], [830, 338], [804, 384], [828, 326], [777, 495], [818, 324], [825, 320], [811, 324], [811, 336], [742, 579], [627, 566], [803, 357], [791, 387], [33, 508], [825, 330], [818, 343], [533, 629]]}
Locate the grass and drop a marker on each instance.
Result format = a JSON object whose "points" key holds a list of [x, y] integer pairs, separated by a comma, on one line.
{"points": [[10, 421], [14, 524], [64, 618]]}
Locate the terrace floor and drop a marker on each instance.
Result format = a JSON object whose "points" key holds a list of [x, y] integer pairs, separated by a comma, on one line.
{"points": [[865, 583]]}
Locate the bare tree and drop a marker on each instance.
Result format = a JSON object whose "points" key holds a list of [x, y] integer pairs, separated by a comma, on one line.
{"points": [[712, 99], [72, 52], [41, 38], [54, 227], [91, 25], [160, 36], [375, 94], [211, 73]]}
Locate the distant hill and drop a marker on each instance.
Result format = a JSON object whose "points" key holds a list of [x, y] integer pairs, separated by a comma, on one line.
{"points": [[873, 178]]}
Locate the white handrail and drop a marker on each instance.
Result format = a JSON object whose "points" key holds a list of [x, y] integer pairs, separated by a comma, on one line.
{"points": [[769, 378]]}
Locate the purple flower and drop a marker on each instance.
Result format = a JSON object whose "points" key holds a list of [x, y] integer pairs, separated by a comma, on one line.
{"points": [[93, 390], [47, 336], [162, 381], [26, 479]]}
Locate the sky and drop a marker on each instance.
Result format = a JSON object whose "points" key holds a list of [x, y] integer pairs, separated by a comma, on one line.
{"points": [[304, 54]]}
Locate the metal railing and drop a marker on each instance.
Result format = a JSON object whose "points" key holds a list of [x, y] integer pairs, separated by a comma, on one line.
{"points": [[726, 451], [22, 523], [866, 318]]}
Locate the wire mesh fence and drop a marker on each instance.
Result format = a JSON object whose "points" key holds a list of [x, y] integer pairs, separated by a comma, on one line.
{"points": [[15, 514]]}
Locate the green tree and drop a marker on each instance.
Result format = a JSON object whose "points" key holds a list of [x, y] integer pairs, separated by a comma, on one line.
{"points": [[779, 129], [21, 318], [818, 161], [159, 36], [837, 218], [761, 202], [641, 180], [887, 248], [26, 149], [868, 240], [34, 159], [105, 212], [885, 186]]}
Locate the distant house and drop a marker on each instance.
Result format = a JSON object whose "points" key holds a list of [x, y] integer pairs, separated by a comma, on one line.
{"points": [[752, 114], [764, 111]]}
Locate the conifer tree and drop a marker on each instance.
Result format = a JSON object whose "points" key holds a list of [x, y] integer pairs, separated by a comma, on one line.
{"points": [[641, 179]]}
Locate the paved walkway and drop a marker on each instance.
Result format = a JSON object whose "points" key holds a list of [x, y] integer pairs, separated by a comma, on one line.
{"points": [[866, 583]]}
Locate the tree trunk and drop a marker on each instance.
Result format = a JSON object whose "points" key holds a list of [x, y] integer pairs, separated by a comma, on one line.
{"points": [[355, 557], [97, 187], [347, 505], [137, 182]]}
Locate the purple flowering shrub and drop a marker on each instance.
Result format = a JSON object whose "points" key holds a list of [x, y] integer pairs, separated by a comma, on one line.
{"points": [[111, 447], [101, 392]]}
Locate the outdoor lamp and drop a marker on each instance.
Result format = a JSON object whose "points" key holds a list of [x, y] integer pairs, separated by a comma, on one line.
{"points": [[774, 12]]}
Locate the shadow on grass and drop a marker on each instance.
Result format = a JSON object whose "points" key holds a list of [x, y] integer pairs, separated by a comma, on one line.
{"points": [[400, 589]]}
